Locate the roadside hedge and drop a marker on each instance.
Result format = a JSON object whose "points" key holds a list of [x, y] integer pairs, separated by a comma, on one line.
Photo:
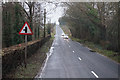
{"points": [[15, 57]]}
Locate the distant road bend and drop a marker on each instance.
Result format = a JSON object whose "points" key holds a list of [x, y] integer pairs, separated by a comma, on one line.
{"points": [[69, 59]]}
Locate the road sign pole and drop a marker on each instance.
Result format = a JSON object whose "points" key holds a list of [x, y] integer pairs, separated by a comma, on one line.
{"points": [[25, 50], [25, 30]]}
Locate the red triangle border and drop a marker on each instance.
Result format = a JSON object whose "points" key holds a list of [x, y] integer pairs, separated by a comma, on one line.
{"points": [[26, 33]]}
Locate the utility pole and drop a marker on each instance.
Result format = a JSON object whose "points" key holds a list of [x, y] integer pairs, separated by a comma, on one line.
{"points": [[44, 22], [119, 26], [39, 23]]}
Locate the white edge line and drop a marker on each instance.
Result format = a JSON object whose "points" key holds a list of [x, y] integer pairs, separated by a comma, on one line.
{"points": [[42, 69], [94, 74]]}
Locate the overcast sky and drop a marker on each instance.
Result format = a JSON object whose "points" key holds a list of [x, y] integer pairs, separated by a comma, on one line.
{"points": [[53, 12]]}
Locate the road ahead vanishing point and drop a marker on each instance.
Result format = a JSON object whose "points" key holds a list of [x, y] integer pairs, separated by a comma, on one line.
{"points": [[69, 59]]}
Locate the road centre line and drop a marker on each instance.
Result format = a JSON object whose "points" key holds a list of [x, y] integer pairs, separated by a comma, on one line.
{"points": [[79, 58], [94, 74]]}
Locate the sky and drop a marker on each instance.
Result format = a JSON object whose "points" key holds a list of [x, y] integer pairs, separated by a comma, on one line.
{"points": [[54, 16], [53, 12]]}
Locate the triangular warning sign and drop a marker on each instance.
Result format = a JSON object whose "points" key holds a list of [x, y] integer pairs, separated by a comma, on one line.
{"points": [[26, 30]]}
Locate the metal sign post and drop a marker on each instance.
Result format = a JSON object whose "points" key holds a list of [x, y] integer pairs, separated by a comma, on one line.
{"points": [[25, 51], [26, 30]]}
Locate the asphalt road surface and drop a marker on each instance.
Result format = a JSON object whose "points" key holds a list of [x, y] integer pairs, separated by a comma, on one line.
{"points": [[70, 59]]}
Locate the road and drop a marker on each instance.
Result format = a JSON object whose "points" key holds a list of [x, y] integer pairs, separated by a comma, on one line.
{"points": [[70, 59]]}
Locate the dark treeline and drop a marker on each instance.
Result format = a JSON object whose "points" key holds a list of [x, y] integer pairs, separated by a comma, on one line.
{"points": [[14, 16], [13, 20], [94, 22]]}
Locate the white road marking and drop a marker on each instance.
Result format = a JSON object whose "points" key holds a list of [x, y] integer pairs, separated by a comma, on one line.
{"points": [[94, 74], [73, 51], [43, 68], [79, 58]]}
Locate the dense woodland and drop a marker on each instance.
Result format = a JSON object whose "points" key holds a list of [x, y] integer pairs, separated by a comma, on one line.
{"points": [[14, 16], [97, 22]]}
